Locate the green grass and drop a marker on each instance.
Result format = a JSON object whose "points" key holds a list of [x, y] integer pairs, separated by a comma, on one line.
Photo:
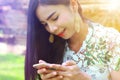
{"points": [[11, 67]]}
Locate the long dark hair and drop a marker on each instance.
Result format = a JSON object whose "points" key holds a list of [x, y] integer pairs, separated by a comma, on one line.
{"points": [[38, 45]]}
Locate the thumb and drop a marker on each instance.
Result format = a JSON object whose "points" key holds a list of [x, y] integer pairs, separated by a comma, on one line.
{"points": [[69, 63]]}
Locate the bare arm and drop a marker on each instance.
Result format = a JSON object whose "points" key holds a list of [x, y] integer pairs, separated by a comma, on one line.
{"points": [[115, 75]]}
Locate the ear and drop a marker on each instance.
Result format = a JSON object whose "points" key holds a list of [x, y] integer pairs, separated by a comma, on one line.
{"points": [[74, 5]]}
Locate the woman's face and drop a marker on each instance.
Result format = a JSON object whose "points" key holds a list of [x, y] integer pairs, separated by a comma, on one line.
{"points": [[57, 19]]}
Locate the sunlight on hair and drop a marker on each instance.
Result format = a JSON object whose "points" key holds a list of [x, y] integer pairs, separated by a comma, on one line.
{"points": [[113, 5]]}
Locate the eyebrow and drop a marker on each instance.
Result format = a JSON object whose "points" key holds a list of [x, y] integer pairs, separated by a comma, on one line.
{"points": [[51, 15]]}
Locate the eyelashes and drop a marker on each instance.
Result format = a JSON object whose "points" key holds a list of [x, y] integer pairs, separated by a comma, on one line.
{"points": [[53, 19], [56, 18]]}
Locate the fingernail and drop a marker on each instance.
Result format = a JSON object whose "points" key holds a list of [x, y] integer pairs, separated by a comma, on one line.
{"points": [[44, 69], [40, 61], [54, 73], [63, 63], [34, 65], [69, 75], [61, 76]]}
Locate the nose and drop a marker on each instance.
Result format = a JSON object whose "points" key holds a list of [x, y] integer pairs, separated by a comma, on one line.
{"points": [[52, 28]]}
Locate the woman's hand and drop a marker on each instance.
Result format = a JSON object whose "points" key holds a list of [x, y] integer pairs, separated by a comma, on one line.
{"points": [[70, 71], [67, 71], [46, 72], [115, 75]]}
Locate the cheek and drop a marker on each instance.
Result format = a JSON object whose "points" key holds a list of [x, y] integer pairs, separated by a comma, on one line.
{"points": [[47, 29], [64, 20]]}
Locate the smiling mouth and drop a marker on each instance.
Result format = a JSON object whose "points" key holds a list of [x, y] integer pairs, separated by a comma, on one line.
{"points": [[61, 33]]}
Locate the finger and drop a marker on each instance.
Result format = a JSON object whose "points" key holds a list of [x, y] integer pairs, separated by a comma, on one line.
{"points": [[41, 65], [44, 71], [69, 63], [48, 76], [56, 78], [65, 74], [58, 67], [42, 61]]}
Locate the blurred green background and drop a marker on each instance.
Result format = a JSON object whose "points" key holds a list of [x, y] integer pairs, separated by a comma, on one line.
{"points": [[11, 67]]}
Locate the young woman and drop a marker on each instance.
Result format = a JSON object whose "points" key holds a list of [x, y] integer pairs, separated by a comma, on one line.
{"points": [[63, 45]]}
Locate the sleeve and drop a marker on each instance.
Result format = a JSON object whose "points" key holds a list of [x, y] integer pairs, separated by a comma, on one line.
{"points": [[114, 49]]}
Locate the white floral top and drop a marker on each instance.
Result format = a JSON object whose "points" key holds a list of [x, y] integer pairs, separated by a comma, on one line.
{"points": [[99, 54]]}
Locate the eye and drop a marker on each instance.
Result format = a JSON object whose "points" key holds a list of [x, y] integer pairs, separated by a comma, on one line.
{"points": [[54, 19]]}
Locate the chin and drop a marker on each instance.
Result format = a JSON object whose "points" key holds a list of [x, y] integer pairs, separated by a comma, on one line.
{"points": [[66, 37]]}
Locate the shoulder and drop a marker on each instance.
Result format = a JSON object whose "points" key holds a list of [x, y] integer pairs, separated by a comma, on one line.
{"points": [[108, 39], [105, 35], [106, 32]]}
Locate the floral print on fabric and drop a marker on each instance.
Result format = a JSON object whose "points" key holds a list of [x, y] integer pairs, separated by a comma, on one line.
{"points": [[99, 54]]}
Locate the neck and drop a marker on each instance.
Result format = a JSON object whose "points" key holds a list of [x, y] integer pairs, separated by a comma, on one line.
{"points": [[76, 41]]}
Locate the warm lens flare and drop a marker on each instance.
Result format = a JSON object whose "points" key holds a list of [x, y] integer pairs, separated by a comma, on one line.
{"points": [[105, 12], [113, 5]]}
